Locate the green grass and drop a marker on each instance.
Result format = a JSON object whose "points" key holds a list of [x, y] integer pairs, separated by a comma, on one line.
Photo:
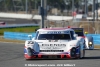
{"points": [[19, 29]]}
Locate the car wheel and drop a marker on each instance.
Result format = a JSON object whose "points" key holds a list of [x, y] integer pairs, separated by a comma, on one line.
{"points": [[29, 51], [80, 52]]}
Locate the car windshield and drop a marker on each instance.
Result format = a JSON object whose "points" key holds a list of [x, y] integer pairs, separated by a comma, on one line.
{"points": [[54, 37], [79, 31]]}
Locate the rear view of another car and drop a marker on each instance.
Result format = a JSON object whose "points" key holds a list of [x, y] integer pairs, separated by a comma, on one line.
{"points": [[88, 40]]}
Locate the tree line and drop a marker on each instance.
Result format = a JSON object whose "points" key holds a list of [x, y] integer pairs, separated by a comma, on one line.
{"points": [[9, 5]]}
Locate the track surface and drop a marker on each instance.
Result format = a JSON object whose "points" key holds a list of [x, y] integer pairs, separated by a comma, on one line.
{"points": [[17, 21], [11, 55]]}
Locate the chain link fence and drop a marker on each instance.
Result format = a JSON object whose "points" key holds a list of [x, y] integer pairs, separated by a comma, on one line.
{"points": [[92, 27], [53, 8]]}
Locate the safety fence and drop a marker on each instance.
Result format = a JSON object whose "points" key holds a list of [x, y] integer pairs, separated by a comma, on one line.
{"points": [[24, 36]]}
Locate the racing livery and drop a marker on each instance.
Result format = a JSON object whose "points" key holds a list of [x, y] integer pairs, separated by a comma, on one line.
{"points": [[88, 40], [54, 43]]}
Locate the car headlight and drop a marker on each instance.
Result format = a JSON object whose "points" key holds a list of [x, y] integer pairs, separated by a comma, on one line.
{"points": [[90, 42]]}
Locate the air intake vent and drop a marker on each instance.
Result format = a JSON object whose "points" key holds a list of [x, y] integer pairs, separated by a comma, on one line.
{"points": [[51, 50]]}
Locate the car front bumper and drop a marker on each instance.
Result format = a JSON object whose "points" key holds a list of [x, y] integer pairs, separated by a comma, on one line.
{"points": [[39, 56]]}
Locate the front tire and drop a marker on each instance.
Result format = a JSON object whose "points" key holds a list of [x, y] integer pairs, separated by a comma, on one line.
{"points": [[79, 51], [81, 54]]}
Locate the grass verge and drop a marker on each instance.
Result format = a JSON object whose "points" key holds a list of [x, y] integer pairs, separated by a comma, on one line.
{"points": [[97, 46], [9, 40], [28, 29]]}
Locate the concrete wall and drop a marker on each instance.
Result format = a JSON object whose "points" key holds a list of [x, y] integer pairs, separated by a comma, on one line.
{"points": [[30, 16]]}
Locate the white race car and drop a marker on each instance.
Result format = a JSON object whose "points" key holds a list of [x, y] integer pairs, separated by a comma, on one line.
{"points": [[54, 43], [88, 40]]}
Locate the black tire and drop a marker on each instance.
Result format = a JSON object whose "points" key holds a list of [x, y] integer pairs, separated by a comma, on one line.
{"points": [[29, 52], [80, 52]]}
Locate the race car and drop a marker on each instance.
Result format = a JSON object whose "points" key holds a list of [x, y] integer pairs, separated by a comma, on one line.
{"points": [[54, 43], [88, 40]]}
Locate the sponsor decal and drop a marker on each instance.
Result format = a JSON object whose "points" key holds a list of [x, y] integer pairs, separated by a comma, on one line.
{"points": [[54, 32], [53, 40], [53, 46]]}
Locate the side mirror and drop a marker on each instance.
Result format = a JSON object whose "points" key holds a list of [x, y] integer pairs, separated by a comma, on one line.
{"points": [[30, 36], [75, 35]]}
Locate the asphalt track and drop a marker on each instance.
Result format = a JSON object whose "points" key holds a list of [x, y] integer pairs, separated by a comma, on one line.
{"points": [[18, 21], [11, 55]]}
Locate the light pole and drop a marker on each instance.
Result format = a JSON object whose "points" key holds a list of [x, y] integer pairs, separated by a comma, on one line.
{"points": [[85, 6], [66, 3], [94, 6], [35, 4], [26, 6], [73, 7], [42, 14], [97, 10]]}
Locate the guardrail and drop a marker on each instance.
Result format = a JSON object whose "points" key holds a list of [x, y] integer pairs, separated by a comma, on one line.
{"points": [[17, 25], [24, 36]]}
